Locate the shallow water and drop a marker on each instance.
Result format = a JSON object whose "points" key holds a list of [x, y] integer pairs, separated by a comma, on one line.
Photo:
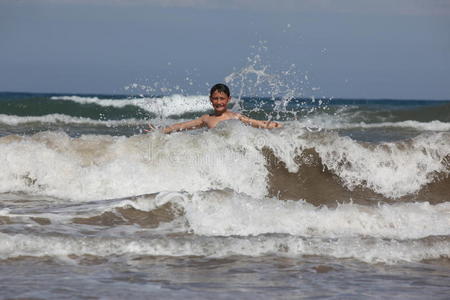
{"points": [[144, 277]]}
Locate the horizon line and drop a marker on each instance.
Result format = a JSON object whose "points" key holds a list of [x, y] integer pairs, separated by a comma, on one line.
{"points": [[254, 96]]}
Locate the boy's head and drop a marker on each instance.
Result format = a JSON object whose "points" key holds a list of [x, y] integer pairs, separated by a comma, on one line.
{"points": [[220, 87], [219, 97]]}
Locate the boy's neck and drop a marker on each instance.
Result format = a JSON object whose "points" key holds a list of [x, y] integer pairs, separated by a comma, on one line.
{"points": [[218, 114]]}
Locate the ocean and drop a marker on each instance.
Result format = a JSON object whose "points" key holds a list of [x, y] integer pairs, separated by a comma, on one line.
{"points": [[349, 200]]}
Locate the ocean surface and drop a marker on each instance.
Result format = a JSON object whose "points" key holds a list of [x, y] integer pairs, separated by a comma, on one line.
{"points": [[349, 200]]}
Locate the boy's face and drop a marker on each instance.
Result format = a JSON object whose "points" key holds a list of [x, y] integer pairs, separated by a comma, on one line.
{"points": [[219, 101]]}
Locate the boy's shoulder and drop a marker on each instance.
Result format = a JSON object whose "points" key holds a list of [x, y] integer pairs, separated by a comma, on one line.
{"points": [[206, 117], [233, 115]]}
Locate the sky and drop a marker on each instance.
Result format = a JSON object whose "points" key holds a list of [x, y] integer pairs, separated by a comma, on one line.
{"points": [[362, 49]]}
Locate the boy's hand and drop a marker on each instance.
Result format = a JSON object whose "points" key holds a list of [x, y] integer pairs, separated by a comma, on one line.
{"points": [[150, 128], [272, 124]]}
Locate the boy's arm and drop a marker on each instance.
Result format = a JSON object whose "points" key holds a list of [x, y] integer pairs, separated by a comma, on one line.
{"points": [[197, 123], [258, 123]]}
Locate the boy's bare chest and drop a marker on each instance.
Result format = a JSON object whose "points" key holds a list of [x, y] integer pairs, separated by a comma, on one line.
{"points": [[212, 121]]}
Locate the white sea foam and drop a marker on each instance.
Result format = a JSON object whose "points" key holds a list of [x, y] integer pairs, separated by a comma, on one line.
{"points": [[225, 223], [425, 126], [391, 169], [100, 167], [225, 213], [162, 106], [219, 214], [316, 123], [325, 121], [64, 119], [371, 250]]}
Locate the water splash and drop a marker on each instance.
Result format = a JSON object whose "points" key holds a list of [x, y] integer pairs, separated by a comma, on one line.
{"points": [[258, 79]]}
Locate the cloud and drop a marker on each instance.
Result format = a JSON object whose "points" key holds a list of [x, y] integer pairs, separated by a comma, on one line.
{"points": [[390, 7]]}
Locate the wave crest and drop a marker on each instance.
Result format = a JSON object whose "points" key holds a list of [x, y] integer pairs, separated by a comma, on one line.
{"points": [[320, 167]]}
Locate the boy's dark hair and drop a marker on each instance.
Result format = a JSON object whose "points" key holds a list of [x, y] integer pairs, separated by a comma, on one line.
{"points": [[220, 87]]}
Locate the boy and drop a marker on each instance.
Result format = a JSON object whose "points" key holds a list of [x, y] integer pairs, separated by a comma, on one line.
{"points": [[219, 97]]}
